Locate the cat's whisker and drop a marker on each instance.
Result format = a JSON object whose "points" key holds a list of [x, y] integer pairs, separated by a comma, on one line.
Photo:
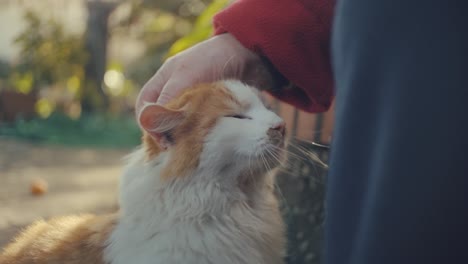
{"points": [[282, 197], [274, 156], [290, 154], [267, 165], [286, 164], [298, 146], [283, 163], [278, 189], [309, 154], [263, 160], [251, 175], [249, 162]]}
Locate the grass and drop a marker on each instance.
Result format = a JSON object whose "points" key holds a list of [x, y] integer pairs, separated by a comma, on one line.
{"points": [[96, 130]]}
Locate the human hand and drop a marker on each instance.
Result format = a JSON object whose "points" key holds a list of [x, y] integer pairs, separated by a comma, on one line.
{"points": [[220, 57]]}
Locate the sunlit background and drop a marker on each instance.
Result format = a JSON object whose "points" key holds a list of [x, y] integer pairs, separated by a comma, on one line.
{"points": [[70, 71], [82, 63]]}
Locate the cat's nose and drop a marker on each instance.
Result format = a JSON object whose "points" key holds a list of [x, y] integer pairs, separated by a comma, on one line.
{"points": [[279, 127]]}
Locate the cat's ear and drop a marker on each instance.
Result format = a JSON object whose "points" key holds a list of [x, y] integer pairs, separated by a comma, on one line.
{"points": [[159, 122]]}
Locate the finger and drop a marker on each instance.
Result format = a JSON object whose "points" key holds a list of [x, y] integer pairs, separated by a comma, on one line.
{"points": [[150, 91], [173, 88]]}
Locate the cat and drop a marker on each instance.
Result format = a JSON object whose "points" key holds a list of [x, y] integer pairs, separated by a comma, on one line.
{"points": [[199, 190]]}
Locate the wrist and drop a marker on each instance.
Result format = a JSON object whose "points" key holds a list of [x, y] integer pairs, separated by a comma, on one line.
{"points": [[278, 79], [258, 69]]}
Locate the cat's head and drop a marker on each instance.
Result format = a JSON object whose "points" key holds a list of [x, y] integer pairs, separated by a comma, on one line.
{"points": [[221, 127]]}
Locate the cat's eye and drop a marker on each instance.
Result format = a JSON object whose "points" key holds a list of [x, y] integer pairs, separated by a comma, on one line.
{"points": [[239, 116]]}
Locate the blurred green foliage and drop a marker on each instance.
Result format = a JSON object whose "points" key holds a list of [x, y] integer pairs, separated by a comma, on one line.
{"points": [[96, 130], [48, 56], [202, 28], [52, 64], [174, 25]]}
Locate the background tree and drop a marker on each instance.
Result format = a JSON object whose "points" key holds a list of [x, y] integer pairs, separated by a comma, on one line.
{"points": [[96, 42]]}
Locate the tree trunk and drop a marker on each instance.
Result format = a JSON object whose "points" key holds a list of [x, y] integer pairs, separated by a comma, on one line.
{"points": [[96, 40]]}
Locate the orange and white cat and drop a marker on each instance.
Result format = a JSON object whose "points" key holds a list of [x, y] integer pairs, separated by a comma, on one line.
{"points": [[198, 191]]}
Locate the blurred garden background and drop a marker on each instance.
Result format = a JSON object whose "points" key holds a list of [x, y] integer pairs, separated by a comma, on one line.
{"points": [[70, 71]]}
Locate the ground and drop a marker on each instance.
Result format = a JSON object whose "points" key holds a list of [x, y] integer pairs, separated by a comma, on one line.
{"points": [[80, 180]]}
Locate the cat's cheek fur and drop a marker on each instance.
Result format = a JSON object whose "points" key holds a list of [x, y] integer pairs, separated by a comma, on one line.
{"points": [[250, 134], [242, 138]]}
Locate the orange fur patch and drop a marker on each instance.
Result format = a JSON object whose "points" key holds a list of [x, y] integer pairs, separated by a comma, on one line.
{"points": [[202, 106], [70, 240]]}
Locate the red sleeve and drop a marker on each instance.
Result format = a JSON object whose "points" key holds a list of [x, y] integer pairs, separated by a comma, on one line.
{"points": [[294, 36]]}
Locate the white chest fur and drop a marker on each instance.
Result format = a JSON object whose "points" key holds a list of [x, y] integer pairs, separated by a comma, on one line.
{"points": [[193, 222]]}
